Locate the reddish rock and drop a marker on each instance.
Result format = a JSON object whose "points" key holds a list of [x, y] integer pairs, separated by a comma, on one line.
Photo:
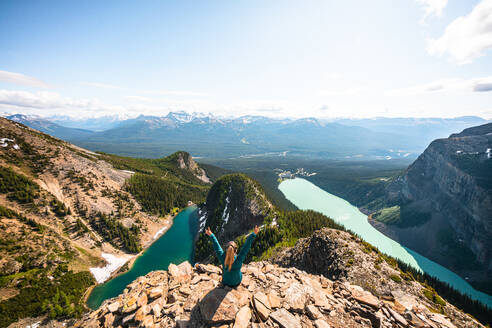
{"points": [[321, 324], [285, 319], [141, 313], [313, 312], [368, 299], [219, 306], [142, 300], [108, 320], [113, 307], [262, 305], [243, 318], [156, 292], [274, 300]]}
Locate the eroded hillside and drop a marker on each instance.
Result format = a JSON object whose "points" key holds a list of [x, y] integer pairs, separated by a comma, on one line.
{"points": [[62, 207]]}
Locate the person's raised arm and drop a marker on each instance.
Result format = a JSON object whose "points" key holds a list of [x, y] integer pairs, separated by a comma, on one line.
{"points": [[216, 245], [247, 245]]}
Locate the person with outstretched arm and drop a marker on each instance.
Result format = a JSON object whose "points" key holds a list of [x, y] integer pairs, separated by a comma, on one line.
{"points": [[232, 263]]}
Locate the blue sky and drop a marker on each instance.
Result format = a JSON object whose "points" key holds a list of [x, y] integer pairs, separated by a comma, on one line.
{"points": [[325, 58]]}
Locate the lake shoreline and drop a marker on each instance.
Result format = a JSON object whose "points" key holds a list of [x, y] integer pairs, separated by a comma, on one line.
{"points": [[307, 196], [129, 264], [151, 258], [170, 218], [470, 277]]}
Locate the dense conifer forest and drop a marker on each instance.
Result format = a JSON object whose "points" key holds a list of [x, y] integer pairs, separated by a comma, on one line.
{"points": [[290, 226], [114, 231], [17, 187], [159, 196], [59, 297]]}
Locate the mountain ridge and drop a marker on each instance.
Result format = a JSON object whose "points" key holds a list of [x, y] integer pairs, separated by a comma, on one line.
{"points": [[64, 209], [444, 199], [249, 135], [46, 126]]}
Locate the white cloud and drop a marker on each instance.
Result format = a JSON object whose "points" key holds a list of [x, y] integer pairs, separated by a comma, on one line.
{"points": [[349, 91], [18, 78], [102, 85], [467, 37], [482, 84], [174, 93], [486, 113], [50, 103], [148, 92], [139, 99], [433, 7]]}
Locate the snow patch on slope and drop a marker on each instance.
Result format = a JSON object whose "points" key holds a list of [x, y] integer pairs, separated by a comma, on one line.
{"points": [[113, 264], [160, 232], [4, 142], [202, 220], [225, 214]]}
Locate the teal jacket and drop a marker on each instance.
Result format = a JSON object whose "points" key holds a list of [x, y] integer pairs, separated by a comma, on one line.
{"points": [[233, 278]]}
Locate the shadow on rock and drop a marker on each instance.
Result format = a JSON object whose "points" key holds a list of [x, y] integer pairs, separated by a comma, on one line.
{"points": [[219, 306]]}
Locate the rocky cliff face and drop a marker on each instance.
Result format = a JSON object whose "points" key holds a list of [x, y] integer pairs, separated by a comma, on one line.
{"points": [[341, 257], [442, 205], [186, 162], [234, 205], [269, 296]]}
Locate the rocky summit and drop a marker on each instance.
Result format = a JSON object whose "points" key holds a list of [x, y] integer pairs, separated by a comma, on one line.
{"points": [[269, 296]]}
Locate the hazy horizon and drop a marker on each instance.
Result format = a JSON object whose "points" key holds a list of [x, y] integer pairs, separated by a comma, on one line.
{"points": [[125, 116], [414, 58]]}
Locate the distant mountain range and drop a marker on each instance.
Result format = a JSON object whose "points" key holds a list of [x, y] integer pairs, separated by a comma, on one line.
{"points": [[205, 135], [94, 124], [51, 128]]}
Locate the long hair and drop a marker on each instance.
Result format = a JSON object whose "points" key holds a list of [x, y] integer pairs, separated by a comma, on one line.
{"points": [[229, 258]]}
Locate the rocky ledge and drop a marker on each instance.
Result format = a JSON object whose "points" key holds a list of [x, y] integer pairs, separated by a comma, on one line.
{"points": [[269, 296]]}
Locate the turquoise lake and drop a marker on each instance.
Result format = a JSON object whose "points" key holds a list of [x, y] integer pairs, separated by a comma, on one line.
{"points": [[175, 246], [306, 195]]}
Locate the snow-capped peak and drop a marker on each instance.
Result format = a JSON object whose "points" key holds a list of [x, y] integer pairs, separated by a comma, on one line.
{"points": [[22, 117]]}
